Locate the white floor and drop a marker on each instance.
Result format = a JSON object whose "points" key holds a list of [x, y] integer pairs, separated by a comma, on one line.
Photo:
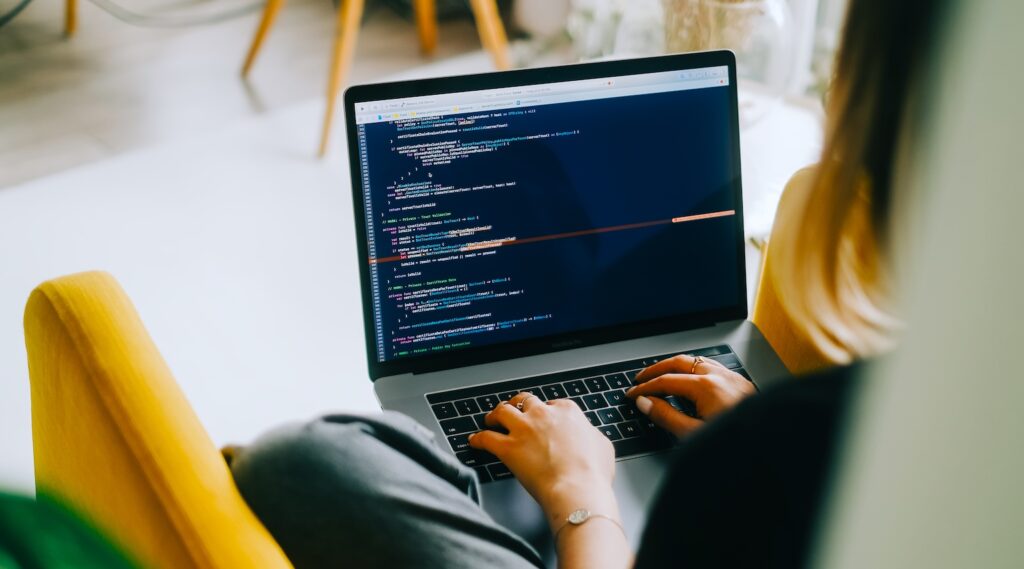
{"points": [[116, 87], [237, 247]]}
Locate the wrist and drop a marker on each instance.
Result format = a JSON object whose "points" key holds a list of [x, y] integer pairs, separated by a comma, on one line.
{"points": [[564, 497]]}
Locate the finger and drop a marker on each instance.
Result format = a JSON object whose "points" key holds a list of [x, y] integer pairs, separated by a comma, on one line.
{"points": [[566, 403], [666, 416], [504, 415], [690, 386], [676, 364], [713, 362], [490, 441], [518, 398], [524, 401], [681, 363]]}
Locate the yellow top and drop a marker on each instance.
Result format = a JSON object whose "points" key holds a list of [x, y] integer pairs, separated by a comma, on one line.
{"points": [[797, 352]]}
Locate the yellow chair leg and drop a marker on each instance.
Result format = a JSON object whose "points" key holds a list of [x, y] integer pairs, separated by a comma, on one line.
{"points": [[492, 31], [426, 24], [70, 17], [270, 12], [349, 16]]}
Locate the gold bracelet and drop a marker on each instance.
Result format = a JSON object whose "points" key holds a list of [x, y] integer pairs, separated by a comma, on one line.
{"points": [[582, 516]]}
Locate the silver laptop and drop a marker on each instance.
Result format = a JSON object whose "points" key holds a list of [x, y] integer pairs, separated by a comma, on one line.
{"points": [[553, 230]]}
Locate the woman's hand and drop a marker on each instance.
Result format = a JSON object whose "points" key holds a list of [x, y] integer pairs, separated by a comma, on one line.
{"points": [[554, 451], [711, 386]]}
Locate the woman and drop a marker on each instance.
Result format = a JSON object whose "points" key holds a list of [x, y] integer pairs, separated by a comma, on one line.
{"points": [[346, 491]]}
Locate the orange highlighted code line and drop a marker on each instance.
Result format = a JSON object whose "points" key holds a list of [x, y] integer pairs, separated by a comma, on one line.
{"points": [[508, 242], [699, 216]]}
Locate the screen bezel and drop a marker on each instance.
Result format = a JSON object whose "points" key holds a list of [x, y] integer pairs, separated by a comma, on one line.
{"points": [[557, 342]]}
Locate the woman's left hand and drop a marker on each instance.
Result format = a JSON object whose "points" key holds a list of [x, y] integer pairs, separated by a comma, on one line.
{"points": [[554, 451], [712, 387]]}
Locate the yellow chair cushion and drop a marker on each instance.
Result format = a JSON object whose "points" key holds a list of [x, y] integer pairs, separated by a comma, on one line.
{"points": [[115, 437]]}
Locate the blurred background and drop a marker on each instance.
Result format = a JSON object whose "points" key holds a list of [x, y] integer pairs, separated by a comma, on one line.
{"points": [[134, 73]]}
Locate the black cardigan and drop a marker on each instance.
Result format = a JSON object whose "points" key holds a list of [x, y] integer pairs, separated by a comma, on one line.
{"points": [[746, 490]]}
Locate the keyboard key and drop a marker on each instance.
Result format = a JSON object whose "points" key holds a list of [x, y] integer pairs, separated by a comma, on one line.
{"points": [[648, 426], [467, 407], [596, 384], [506, 395], [536, 392], [629, 411], [728, 360], [616, 397], [631, 375], [710, 352], [744, 373], [610, 431], [480, 420], [682, 404], [617, 380], [458, 425], [444, 411], [482, 474], [579, 401], [555, 391], [499, 471], [459, 442], [594, 419], [630, 429], [609, 416], [476, 457], [488, 402], [574, 388], [595, 401]]}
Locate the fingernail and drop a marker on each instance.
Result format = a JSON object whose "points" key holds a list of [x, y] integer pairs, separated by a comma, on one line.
{"points": [[644, 404], [470, 438], [629, 392]]}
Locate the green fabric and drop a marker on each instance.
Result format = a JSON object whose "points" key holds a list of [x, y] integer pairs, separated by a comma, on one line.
{"points": [[42, 534]]}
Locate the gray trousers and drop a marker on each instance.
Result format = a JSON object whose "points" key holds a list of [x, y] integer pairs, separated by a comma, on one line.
{"points": [[371, 491]]}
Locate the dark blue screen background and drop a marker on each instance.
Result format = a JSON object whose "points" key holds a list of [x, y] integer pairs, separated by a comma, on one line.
{"points": [[603, 163]]}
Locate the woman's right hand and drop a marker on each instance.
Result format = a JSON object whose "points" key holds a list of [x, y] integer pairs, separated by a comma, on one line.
{"points": [[711, 386], [555, 453]]}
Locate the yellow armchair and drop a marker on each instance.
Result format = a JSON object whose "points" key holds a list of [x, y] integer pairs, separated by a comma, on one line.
{"points": [[115, 438]]}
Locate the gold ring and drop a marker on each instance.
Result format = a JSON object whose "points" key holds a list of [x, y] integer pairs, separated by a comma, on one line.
{"points": [[696, 361], [523, 402]]}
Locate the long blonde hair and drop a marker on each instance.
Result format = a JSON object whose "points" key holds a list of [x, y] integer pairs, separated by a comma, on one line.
{"points": [[833, 271]]}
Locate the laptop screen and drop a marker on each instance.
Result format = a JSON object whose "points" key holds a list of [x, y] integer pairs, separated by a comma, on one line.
{"points": [[503, 215]]}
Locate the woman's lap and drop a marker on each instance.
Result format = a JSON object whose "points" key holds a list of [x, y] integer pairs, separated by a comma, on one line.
{"points": [[371, 492]]}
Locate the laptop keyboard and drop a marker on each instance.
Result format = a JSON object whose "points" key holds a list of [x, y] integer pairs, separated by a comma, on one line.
{"points": [[599, 391]]}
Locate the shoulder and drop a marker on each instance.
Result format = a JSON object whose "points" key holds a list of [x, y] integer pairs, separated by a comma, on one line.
{"points": [[797, 189]]}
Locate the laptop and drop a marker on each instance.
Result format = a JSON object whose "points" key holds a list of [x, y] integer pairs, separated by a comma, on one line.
{"points": [[551, 230]]}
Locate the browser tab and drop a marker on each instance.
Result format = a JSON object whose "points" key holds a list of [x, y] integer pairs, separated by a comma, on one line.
{"points": [[546, 93]]}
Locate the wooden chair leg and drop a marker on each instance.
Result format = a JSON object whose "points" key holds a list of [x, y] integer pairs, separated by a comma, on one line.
{"points": [[426, 24], [270, 12], [492, 31], [349, 15], [70, 17]]}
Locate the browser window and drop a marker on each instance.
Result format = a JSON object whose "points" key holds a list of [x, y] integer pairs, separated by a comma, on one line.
{"points": [[508, 214]]}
